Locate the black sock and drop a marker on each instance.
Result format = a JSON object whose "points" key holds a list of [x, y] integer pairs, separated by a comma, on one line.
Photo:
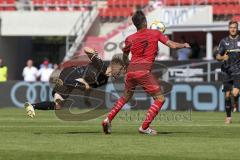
{"points": [[235, 101], [44, 106], [228, 107]]}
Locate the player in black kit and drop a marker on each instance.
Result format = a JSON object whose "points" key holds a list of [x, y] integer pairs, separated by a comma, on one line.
{"points": [[85, 77], [228, 53]]}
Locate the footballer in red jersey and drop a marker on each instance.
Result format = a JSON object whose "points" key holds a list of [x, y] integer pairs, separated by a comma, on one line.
{"points": [[143, 46]]}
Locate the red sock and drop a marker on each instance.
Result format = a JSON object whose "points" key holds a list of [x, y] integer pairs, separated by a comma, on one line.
{"points": [[152, 113], [117, 107]]}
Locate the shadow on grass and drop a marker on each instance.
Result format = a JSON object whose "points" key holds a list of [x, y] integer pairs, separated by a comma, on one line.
{"points": [[173, 132], [99, 132], [87, 132]]}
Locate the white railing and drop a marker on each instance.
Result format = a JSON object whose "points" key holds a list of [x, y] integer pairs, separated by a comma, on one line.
{"points": [[78, 32]]}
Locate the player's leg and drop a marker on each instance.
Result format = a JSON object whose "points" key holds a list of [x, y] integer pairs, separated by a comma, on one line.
{"points": [[47, 105], [235, 92], [116, 108], [227, 86], [120, 103], [151, 86], [128, 93], [152, 113]]}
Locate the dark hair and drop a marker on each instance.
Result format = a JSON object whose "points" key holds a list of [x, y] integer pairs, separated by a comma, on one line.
{"points": [[117, 59], [139, 19], [233, 22]]}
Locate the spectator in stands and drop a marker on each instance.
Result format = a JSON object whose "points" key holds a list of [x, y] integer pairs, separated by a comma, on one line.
{"points": [[55, 66], [3, 71], [45, 72], [183, 53], [50, 65], [30, 72], [195, 49]]}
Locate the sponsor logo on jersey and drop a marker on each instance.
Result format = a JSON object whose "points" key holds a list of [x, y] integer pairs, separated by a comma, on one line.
{"points": [[238, 43]]}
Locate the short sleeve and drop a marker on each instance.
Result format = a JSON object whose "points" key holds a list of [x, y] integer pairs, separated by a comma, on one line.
{"points": [[126, 48], [221, 48], [162, 38]]}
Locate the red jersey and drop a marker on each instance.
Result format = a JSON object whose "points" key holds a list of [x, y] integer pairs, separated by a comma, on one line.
{"points": [[144, 48]]}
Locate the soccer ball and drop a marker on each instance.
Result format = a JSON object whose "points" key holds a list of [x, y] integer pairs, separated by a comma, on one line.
{"points": [[158, 25]]}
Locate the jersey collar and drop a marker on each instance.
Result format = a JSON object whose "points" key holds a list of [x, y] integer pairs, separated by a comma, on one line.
{"points": [[233, 38]]}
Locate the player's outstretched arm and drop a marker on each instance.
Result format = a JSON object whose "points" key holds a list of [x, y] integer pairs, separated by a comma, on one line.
{"points": [[220, 57], [175, 45]]}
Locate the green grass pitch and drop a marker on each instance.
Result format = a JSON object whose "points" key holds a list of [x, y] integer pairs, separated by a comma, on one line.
{"points": [[204, 136]]}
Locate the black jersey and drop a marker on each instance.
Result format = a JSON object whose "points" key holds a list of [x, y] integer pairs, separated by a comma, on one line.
{"points": [[232, 65], [93, 73]]}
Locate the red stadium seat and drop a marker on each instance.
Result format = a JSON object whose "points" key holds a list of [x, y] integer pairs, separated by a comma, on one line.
{"points": [[127, 3], [1, 3], [186, 2], [10, 5], [236, 18], [171, 2], [10, 1], [115, 14], [109, 3], [39, 2], [86, 2], [64, 4]]}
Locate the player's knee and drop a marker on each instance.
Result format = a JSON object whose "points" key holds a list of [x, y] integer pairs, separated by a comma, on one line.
{"points": [[128, 95], [235, 92], [127, 98], [159, 98], [227, 95]]}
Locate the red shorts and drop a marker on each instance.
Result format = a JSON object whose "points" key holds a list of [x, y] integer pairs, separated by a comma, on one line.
{"points": [[143, 78]]}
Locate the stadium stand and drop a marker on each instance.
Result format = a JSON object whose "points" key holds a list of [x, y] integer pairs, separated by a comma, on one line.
{"points": [[48, 5], [222, 9], [118, 10], [7, 5], [61, 5], [114, 14], [93, 42]]}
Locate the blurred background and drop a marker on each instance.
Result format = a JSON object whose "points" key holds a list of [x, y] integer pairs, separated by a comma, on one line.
{"points": [[38, 35]]}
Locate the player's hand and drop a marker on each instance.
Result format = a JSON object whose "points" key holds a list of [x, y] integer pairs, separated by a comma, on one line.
{"points": [[81, 80], [186, 45], [225, 57], [87, 87]]}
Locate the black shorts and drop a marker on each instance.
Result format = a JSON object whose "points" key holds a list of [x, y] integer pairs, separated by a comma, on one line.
{"points": [[229, 85]]}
